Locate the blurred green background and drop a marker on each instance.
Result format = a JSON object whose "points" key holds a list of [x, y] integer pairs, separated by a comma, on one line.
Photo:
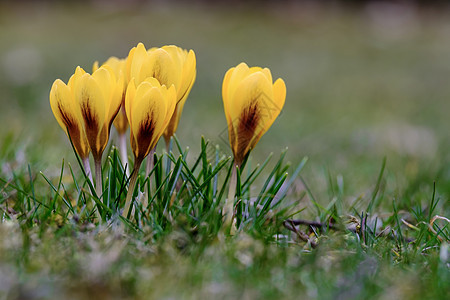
{"points": [[364, 82]]}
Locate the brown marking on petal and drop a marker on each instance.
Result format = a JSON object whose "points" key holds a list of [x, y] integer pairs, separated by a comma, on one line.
{"points": [[88, 116], [249, 118], [247, 126], [232, 137], [91, 126], [133, 145], [158, 74], [68, 121], [102, 139], [145, 137], [76, 137], [73, 131]]}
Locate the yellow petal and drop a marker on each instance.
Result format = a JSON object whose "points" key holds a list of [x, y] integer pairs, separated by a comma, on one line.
{"points": [[153, 82], [172, 126], [151, 90], [95, 66], [161, 66], [251, 104], [255, 88], [254, 70], [170, 96], [225, 89], [231, 127], [267, 73], [177, 54], [128, 63], [225, 84], [135, 61], [62, 105], [129, 99], [90, 99], [226, 105], [116, 64], [121, 121], [114, 93], [79, 72], [251, 110], [148, 116], [279, 93], [106, 82], [185, 62], [239, 73], [118, 97], [66, 113], [188, 76]]}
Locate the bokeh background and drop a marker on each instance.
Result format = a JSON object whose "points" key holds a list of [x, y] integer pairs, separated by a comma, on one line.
{"points": [[365, 79]]}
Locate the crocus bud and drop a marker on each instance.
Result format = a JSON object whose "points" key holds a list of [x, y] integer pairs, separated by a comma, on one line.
{"points": [[170, 65], [187, 64], [98, 97], [67, 113], [149, 108], [251, 102]]}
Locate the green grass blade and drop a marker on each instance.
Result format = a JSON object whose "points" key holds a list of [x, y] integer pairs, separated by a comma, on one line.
{"points": [[377, 187]]}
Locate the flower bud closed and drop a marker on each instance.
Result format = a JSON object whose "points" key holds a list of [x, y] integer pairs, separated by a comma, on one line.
{"points": [[149, 107], [251, 102], [170, 65]]}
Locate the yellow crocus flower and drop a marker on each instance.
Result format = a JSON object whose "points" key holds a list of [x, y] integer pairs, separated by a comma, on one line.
{"points": [[187, 62], [251, 102], [85, 108], [149, 108], [99, 97], [67, 113], [120, 122], [169, 65]]}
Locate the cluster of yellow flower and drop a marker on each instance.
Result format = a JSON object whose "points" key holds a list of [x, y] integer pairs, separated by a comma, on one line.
{"points": [[147, 91]]}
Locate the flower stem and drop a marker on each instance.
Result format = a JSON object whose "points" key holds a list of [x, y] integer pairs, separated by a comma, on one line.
{"points": [[228, 211], [133, 180], [98, 178], [124, 153], [98, 182], [167, 140], [148, 169], [150, 164], [87, 168], [168, 144]]}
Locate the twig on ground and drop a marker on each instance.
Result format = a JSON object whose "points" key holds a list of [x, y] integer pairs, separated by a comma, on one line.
{"points": [[312, 223], [289, 224]]}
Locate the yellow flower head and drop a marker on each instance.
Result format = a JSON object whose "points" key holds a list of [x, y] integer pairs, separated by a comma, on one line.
{"points": [[251, 102], [187, 64], [149, 107], [118, 65], [169, 65], [94, 101], [67, 113]]}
